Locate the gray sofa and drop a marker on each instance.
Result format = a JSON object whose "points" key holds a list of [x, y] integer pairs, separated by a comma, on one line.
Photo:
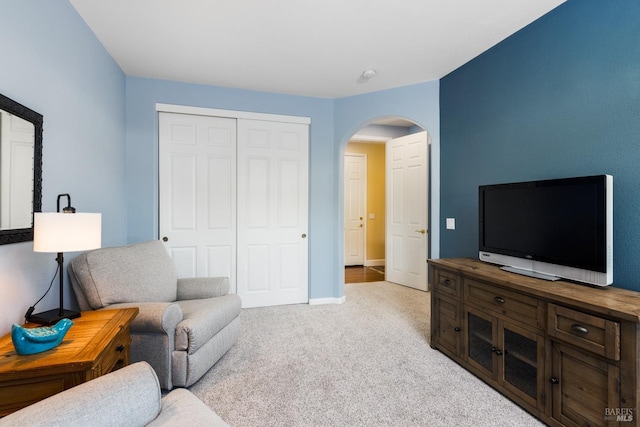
{"points": [[184, 326], [130, 396]]}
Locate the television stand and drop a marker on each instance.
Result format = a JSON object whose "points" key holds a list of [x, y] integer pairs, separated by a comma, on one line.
{"points": [[529, 273], [566, 353]]}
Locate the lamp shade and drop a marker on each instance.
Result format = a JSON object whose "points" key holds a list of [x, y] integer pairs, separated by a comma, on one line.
{"points": [[66, 232]]}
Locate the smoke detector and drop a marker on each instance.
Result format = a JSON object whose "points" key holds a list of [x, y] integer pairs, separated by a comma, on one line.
{"points": [[367, 75]]}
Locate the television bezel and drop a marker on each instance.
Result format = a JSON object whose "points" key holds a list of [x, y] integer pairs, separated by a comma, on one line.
{"points": [[519, 263]]}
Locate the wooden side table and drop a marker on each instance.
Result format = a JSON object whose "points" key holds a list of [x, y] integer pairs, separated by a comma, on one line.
{"points": [[97, 343]]}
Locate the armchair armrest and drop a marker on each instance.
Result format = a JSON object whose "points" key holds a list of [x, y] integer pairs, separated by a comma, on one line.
{"points": [[153, 317], [202, 287]]}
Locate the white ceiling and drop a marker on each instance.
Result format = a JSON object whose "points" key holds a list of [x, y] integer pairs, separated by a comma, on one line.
{"points": [[314, 48]]}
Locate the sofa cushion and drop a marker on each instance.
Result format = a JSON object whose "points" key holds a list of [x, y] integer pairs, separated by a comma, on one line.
{"points": [[204, 318], [129, 396], [182, 408], [141, 272]]}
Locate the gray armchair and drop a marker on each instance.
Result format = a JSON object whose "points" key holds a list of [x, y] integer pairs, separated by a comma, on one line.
{"points": [[184, 326]]}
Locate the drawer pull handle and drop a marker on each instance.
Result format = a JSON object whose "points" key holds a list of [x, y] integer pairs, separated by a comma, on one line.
{"points": [[554, 380], [499, 300], [120, 348], [457, 329], [580, 329], [447, 282]]}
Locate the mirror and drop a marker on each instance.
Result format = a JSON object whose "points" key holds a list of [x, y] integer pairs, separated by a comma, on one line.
{"points": [[20, 170]]}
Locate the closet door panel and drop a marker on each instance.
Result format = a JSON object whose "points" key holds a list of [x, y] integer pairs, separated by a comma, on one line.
{"points": [[272, 213], [197, 183]]}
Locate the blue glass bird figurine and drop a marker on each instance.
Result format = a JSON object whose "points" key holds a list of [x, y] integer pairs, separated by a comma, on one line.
{"points": [[37, 340]]}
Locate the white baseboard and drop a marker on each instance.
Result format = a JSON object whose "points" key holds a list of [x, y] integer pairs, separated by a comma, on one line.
{"points": [[319, 301], [374, 263]]}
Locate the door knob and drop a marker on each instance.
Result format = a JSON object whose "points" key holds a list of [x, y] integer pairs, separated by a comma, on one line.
{"points": [[421, 231], [360, 225], [304, 236], [165, 239]]}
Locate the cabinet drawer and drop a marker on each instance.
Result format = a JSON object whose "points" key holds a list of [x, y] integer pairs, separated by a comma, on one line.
{"points": [[593, 333], [515, 306], [447, 282], [116, 355]]}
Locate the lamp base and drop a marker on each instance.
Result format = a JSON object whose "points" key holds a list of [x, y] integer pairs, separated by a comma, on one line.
{"points": [[51, 317]]}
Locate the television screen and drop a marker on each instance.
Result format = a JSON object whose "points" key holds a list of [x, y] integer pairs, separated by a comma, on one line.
{"points": [[564, 221]]}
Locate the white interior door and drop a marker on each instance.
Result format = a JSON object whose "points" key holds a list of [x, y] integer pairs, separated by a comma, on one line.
{"points": [[407, 213], [197, 173], [273, 178], [354, 208]]}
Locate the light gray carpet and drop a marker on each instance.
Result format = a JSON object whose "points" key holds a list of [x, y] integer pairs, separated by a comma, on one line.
{"points": [[366, 362]]}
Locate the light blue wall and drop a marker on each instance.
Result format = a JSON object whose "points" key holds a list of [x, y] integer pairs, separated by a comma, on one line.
{"points": [[100, 133], [559, 98], [142, 160], [53, 64], [332, 123], [418, 103]]}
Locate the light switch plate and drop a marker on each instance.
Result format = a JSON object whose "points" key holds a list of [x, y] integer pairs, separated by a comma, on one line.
{"points": [[451, 223]]}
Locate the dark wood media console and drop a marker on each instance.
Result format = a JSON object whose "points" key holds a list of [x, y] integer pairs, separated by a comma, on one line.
{"points": [[565, 352]]}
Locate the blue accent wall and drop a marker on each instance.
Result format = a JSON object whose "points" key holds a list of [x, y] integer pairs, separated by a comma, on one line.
{"points": [[53, 64], [559, 98]]}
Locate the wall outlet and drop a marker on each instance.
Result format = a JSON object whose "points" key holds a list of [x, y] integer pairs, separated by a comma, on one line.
{"points": [[451, 223]]}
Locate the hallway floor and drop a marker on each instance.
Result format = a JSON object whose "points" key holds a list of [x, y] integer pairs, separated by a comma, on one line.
{"points": [[361, 274]]}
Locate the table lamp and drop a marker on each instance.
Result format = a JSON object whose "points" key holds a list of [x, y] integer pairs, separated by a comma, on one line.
{"points": [[59, 232]]}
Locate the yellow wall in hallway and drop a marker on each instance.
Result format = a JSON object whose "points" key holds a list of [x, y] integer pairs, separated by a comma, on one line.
{"points": [[375, 196]]}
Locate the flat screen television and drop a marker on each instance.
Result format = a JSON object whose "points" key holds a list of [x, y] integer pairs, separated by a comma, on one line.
{"points": [[551, 229]]}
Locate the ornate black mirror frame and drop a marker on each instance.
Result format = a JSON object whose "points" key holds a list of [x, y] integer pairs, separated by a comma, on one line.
{"points": [[13, 107]]}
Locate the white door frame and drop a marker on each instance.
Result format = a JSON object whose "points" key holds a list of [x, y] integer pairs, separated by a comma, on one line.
{"points": [[233, 114]]}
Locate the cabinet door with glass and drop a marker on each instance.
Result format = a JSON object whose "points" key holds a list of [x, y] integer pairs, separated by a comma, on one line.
{"points": [[508, 354], [522, 370], [480, 338]]}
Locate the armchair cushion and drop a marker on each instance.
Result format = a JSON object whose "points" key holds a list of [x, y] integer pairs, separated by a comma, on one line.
{"points": [[135, 273], [203, 319]]}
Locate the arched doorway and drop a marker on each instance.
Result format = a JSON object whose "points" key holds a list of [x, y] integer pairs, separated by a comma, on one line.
{"points": [[370, 234]]}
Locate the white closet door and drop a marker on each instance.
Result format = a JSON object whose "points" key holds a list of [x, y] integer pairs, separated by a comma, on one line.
{"points": [[272, 213], [197, 173]]}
